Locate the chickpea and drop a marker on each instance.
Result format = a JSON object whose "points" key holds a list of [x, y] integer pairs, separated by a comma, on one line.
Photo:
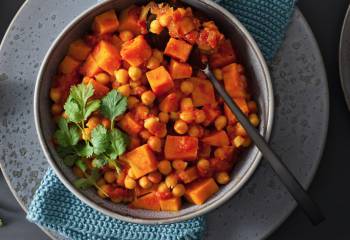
{"points": [[93, 122], [220, 153], [186, 104], [187, 116], [203, 164], [180, 127], [78, 172], [179, 164], [238, 141], [145, 183], [120, 178], [200, 116], [103, 191], [240, 131], [148, 98], [109, 176], [194, 131], [135, 84], [56, 109], [132, 102], [171, 181], [131, 174], [163, 117], [254, 119], [155, 143], [150, 122], [129, 183], [135, 73], [126, 35], [145, 134], [179, 190], [187, 87], [165, 20], [55, 95], [174, 115], [101, 182], [252, 106], [124, 90], [86, 134], [122, 76], [155, 177], [106, 123], [218, 74], [158, 54], [222, 178], [153, 63], [103, 78], [155, 27], [164, 167], [142, 111], [220, 122], [163, 187]]}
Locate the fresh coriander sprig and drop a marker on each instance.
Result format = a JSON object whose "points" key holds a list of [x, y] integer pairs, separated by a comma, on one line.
{"points": [[113, 105], [1, 222]]}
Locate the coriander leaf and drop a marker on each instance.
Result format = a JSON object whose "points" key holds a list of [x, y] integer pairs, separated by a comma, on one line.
{"points": [[81, 93], [91, 107], [99, 162], [89, 181], [113, 105], [119, 143], [69, 160], [115, 164], [65, 151], [1, 222], [85, 150], [73, 111], [99, 139], [82, 165], [66, 136]]}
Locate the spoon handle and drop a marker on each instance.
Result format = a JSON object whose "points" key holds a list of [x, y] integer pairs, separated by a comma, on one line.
{"points": [[294, 187]]}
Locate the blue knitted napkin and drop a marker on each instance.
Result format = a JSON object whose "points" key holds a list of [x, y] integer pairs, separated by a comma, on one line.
{"points": [[54, 207]]}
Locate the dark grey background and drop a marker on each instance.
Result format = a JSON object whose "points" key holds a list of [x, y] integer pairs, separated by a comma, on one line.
{"points": [[331, 185]]}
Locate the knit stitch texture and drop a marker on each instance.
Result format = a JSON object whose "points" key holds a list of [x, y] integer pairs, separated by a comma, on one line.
{"points": [[55, 208]]}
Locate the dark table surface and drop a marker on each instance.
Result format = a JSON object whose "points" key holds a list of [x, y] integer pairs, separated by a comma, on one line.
{"points": [[329, 188]]}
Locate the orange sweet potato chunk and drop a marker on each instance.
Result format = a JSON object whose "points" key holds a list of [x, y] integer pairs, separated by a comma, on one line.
{"points": [[160, 80], [100, 90], [224, 56], [198, 192], [179, 70], [218, 139], [90, 67], [107, 56], [188, 175], [79, 50], [181, 147], [171, 204], [148, 202], [129, 20], [170, 103], [211, 113], [106, 23], [178, 49], [130, 125], [68, 65], [136, 51], [235, 85], [203, 92], [242, 104], [142, 161]]}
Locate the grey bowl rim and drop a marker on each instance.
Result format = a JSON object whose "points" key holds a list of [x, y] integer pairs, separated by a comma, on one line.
{"points": [[220, 201]]}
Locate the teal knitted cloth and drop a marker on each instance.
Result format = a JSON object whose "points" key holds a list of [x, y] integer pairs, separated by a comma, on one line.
{"points": [[55, 208]]}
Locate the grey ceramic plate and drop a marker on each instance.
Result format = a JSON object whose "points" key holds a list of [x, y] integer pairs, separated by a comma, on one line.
{"points": [[344, 57], [260, 207]]}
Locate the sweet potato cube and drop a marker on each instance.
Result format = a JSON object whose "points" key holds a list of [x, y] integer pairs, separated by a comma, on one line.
{"points": [[107, 56], [211, 113], [179, 70], [172, 204], [170, 103], [106, 23], [160, 80], [181, 147], [136, 51], [188, 175], [142, 161], [198, 192], [100, 90], [148, 202], [203, 92], [90, 67], [178, 49], [218, 139], [224, 56], [129, 20], [130, 125], [235, 85], [68, 65], [242, 104], [79, 50]]}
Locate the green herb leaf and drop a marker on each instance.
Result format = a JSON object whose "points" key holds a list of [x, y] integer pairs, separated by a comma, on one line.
{"points": [[85, 150], [1, 222], [99, 162], [99, 139], [84, 183], [91, 107], [82, 165], [119, 143], [81, 93], [113, 105], [73, 111], [69, 160], [66, 136]]}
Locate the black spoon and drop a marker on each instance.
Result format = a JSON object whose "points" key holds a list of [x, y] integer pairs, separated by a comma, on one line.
{"points": [[288, 179]]}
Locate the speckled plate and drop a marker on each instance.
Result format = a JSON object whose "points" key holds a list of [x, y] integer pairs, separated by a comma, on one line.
{"points": [[299, 134], [344, 57]]}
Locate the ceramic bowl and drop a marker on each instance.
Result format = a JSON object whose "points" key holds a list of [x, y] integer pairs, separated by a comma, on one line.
{"points": [[259, 81]]}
